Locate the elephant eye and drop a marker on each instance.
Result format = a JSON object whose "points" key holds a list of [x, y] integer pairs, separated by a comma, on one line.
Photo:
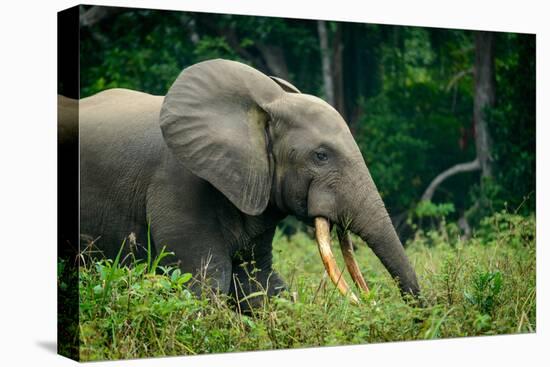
{"points": [[321, 156]]}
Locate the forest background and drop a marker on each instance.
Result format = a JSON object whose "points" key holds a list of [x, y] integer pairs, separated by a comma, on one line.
{"points": [[440, 114]]}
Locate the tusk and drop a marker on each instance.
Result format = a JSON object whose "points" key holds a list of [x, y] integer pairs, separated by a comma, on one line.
{"points": [[347, 250], [322, 235]]}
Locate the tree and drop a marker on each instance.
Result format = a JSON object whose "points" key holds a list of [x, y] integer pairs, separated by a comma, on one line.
{"points": [[326, 62], [484, 97], [337, 70], [332, 65], [410, 95]]}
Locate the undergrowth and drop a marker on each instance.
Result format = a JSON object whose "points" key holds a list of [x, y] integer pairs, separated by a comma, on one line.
{"points": [[481, 286]]}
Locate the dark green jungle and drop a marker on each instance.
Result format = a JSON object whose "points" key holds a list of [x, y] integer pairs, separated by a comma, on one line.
{"points": [[419, 102]]}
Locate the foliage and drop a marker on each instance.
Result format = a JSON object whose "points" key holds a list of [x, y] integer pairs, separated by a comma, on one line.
{"points": [[482, 286], [408, 100], [509, 228], [485, 291], [512, 123], [412, 129], [428, 209], [428, 215], [67, 308], [408, 92]]}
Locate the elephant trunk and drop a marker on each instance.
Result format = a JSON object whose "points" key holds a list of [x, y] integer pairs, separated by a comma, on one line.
{"points": [[365, 215], [370, 220]]}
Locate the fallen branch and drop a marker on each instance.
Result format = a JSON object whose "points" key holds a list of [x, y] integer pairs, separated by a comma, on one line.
{"points": [[457, 168]]}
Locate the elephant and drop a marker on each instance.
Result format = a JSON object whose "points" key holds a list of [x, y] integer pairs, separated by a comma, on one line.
{"points": [[210, 169]]}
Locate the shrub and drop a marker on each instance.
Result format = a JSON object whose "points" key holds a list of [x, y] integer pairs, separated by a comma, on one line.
{"points": [[481, 286]]}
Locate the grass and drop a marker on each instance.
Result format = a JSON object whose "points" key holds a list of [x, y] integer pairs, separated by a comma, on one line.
{"points": [[482, 286]]}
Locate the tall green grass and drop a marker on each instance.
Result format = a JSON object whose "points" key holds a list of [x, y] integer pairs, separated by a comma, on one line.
{"points": [[481, 286]]}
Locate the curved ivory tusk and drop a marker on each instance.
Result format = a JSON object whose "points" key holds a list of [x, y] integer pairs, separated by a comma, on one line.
{"points": [[347, 250], [322, 235]]}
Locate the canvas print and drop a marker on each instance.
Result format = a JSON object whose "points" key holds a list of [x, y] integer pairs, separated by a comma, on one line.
{"points": [[240, 183]]}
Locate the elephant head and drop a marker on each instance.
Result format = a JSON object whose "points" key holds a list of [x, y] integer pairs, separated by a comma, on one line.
{"points": [[261, 142]]}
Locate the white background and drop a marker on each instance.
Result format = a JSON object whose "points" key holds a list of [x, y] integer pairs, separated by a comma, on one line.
{"points": [[28, 141]]}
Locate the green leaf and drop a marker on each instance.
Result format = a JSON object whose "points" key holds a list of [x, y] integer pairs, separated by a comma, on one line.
{"points": [[98, 289], [175, 275], [184, 278], [165, 283]]}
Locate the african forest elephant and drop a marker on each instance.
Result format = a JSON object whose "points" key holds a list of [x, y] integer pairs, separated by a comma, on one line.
{"points": [[214, 166]]}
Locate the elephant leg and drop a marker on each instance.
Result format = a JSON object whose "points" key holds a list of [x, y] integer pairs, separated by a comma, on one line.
{"points": [[250, 287], [211, 276], [209, 264], [253, 278], [197, 245], [202, 256]]}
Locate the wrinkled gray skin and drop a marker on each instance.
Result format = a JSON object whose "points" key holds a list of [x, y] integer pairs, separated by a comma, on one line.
{"points": [[232, 154]]}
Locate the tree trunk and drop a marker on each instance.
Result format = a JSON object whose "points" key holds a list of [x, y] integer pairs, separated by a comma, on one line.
{"points": [[484, 97], [484, 72], [337, 71], [326, 62]]}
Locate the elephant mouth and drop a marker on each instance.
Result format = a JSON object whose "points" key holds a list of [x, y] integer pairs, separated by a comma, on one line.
{"points": [[322, 236]]}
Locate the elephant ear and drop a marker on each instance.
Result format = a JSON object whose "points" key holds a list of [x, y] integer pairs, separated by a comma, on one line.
{"points": [[287, 87], [214, 120]]}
